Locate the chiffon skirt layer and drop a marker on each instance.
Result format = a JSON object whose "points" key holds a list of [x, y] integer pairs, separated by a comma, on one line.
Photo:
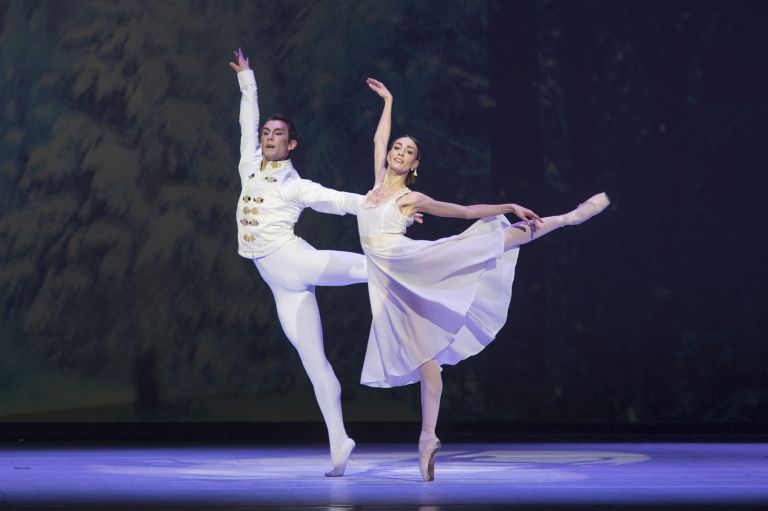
{"points": [[444, 299]]}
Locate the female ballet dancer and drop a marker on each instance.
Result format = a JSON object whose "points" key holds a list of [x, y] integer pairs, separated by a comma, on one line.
{"points": [[435, 302]]}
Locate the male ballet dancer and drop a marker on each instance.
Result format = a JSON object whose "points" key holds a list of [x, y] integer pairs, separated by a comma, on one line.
{"points": [[272, 198]]}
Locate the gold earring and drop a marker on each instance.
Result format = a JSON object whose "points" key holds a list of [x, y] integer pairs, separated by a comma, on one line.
{"points": [[414, 172]]}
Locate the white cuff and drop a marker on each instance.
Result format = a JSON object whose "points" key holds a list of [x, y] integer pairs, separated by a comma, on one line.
{"points": [[246, 78]]}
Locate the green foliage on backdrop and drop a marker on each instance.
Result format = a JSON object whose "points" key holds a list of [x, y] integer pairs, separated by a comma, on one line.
{"points": [[123, 297], [121, 285]]}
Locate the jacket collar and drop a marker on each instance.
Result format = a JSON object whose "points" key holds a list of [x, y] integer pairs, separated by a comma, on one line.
{"points": [[275, 171]]}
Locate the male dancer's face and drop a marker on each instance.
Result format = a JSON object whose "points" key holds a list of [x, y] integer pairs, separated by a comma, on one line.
{"points": [[275, 145]]}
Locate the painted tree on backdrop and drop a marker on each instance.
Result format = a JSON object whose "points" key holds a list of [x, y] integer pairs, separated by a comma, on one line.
{"points": [[123, 212], [117, 232]]}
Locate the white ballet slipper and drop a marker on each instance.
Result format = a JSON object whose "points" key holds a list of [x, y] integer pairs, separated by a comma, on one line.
{"points": [[587, 209], [339, 458]]}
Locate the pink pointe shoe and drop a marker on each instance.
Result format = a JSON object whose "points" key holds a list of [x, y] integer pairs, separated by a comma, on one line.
{"points": [[427, 452], [339, 458], [587, 209]]}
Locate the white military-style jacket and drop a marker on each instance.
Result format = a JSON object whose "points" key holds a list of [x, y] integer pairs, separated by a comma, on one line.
{"points": [[272, 198]]}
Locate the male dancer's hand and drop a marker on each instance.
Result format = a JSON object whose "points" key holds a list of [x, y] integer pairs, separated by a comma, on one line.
{"points": [[242, 61]]}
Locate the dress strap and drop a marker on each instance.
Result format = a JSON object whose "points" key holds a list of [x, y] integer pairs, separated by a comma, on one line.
{"points": [[376, 187], [401, 193]]}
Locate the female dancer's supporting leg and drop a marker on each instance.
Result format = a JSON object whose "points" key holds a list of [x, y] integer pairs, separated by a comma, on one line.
{"points": [[429, 444]]}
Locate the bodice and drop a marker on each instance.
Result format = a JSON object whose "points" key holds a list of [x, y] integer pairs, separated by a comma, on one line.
{"points": [[382, 219]]}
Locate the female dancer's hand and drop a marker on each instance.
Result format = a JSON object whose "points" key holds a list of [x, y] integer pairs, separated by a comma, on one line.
{"points": [[379, 88], [530, 218], [242, 61]]}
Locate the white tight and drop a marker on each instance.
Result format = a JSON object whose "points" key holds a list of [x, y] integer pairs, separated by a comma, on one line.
{"points": [[292, 272], [520, 234], [431, 390]]}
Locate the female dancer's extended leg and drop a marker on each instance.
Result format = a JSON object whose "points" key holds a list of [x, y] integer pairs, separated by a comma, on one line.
{"points": [[520, 234], [431, 379]]}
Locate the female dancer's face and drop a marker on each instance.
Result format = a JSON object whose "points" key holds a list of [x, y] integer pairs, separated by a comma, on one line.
{"points": [[402, 157], [274, 141]]}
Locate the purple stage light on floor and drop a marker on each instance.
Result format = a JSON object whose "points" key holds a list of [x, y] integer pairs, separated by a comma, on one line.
{"points": [[387, 475]]}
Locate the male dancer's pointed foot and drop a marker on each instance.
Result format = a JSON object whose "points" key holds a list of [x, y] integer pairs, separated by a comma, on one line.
{"points": [[428, 449], [339, 458], [587, 209]]}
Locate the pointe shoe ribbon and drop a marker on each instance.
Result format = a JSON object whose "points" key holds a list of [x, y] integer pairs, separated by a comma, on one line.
{"points": [[339, 458], [427, 455]]}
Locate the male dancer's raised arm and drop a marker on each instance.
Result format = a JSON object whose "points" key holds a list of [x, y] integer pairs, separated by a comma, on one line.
{"points": [[250, 149]]}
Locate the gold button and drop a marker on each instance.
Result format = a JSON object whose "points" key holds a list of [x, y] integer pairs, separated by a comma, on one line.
{"points": [[259, 200], [270, 179], [243, 221], [246, 198]]}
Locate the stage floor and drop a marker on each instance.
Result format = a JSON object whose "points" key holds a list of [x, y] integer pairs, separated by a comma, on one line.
{"points": [[385, 476]]}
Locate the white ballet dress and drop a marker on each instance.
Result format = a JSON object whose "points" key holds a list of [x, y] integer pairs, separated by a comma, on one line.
{"points": [[444, 299]]}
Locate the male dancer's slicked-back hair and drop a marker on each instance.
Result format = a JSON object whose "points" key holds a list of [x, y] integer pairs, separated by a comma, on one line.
{"points": [[292, 133]]}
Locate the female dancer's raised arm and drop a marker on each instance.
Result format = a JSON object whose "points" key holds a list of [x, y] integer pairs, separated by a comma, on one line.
{"points": [[383, 130], [416, 202]]}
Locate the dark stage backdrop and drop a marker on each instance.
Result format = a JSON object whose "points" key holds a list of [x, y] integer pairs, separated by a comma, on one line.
{"points": [[123, 298]]}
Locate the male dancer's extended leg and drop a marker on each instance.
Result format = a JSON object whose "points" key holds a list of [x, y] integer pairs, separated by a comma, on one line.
{"points": [[335, 268]]}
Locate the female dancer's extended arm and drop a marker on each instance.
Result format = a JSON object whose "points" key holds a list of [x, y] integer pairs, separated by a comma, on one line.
{"points": [[383, 130], [416, 202]]}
